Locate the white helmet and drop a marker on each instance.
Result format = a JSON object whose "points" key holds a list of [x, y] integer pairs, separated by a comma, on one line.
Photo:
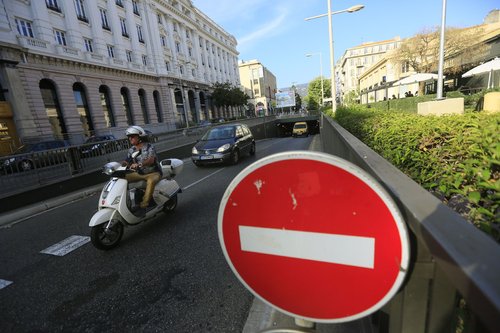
{"points": [[135, 130]]}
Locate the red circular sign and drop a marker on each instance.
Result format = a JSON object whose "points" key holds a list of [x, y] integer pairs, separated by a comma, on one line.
{"points": [[313, 235]]}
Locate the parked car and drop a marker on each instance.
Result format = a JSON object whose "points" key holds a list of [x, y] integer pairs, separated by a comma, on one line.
{"points": [[300, 129], [100, 145], [151, 136], [223, 143], [204, 123], [35, 155]]}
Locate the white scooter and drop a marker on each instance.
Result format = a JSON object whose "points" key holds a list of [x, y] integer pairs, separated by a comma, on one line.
{"points": [[119, 199]]}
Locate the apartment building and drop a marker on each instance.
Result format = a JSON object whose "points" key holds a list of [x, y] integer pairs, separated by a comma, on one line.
{"points": [[260, 85], [356, 60], [74, 68]]}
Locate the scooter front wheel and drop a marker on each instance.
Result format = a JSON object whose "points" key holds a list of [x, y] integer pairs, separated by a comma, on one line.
{"points": [[106, 238], [170, 205]]}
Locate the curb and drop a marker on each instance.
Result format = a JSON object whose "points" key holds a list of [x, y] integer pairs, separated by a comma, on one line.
{"points": [[21, 214]]}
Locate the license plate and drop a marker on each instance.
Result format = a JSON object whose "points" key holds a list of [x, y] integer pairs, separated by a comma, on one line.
{"points": [[206, 157]]}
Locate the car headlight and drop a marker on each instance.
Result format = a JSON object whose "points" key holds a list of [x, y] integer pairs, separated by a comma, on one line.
{"points": [[194, 150], [223, 148], [8, 161]]}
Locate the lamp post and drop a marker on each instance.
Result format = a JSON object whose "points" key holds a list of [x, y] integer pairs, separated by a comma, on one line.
{"points": [[441, 54], [330, 31], [320, 73]]}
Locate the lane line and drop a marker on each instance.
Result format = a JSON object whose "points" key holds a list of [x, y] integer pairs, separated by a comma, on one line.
{"points": [[66, 246], [4, 283], [331, 248], [202, 179]]}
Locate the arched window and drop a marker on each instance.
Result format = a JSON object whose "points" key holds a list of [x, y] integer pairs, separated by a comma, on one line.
{"points": [[109, 118], [144, 107], [156, 98], [179, 103], [126, 105], [83, 109], [52, 108]]}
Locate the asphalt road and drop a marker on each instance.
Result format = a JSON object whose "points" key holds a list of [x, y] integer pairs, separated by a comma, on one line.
{"points": [[167, 275]]}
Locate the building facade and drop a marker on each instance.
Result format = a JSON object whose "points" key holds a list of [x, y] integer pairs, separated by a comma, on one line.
{"points": [[356, 60], [74, 68], [260, 85]]}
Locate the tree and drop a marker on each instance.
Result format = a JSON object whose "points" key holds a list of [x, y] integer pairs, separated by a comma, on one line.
{"points": [[298, 101], [351, 97], [224, 95], [421, 52], [314, 92]]}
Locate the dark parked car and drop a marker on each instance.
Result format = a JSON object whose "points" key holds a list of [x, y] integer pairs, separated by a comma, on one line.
{"points": [[35, 155], [223, 143], [151, 136], [100, 145]]}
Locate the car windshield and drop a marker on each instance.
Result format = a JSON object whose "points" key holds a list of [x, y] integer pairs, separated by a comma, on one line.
{"points": [[300, 125], [219, 133]]}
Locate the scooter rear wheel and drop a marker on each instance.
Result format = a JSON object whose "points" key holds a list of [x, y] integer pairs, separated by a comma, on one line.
{"points": [[106, 239]]}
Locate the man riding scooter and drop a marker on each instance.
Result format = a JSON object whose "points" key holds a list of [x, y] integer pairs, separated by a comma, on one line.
{"points": [[141, 157]]}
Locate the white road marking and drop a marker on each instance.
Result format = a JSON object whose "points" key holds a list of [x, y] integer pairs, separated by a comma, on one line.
{"points": [[4, 283], [202, 179], [66, 246], [331, 248]]}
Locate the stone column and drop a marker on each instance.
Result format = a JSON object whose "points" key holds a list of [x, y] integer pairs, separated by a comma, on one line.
{"points": [[96, 28]]}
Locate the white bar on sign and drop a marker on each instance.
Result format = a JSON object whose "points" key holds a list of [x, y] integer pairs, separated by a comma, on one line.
{"points": [[66, 246], [332, 248]]}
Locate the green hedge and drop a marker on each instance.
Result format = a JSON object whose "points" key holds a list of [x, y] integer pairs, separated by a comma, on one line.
{"points": [[471, 102], [456, 157]]}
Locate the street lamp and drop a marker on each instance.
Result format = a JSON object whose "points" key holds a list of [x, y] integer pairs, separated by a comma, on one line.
{"points": [[441, 54], [320, 73], [330, 31]]}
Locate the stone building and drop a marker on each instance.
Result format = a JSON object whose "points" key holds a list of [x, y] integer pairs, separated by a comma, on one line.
{"points": [[259, 83], [74, 68]]}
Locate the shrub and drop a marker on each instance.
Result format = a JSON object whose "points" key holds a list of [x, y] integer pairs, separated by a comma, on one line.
{"points": [[456, 157]]}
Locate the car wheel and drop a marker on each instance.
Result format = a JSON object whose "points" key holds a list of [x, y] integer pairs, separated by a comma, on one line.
{"points": [[252, 149], [235, 157], [25, 165]]}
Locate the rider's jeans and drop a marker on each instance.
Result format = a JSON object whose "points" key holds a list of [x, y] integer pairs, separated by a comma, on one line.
{"points": [[151, 180]]}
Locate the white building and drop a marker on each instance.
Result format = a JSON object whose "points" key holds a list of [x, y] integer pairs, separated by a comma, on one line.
{"points": [[259, 83], [356, 60], [73, 68]]}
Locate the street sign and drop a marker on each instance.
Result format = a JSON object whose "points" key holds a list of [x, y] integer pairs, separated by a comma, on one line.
{"points": [[314, 236]]}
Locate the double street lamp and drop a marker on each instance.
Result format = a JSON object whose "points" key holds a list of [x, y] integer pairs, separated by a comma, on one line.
{"points": [[330, 31], [320, 73]]}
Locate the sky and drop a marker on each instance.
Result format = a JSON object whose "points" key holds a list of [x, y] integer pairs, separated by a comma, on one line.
{"points": [[275, 32]]}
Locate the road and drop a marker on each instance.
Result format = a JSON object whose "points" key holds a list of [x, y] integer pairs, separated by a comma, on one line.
{"points": [[167, 275]]}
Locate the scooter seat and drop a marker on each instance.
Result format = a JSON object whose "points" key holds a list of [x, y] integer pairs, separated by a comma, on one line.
{"points": [[139, 184]]}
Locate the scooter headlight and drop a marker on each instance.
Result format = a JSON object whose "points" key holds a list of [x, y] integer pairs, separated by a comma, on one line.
{"points": [[110, 168]]}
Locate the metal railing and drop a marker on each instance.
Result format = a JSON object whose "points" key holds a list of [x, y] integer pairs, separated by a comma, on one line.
{"points": [[24, 172], [451, 257]]}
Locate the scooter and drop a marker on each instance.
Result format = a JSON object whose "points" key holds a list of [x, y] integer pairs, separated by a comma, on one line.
{"points": [[119, 199]]}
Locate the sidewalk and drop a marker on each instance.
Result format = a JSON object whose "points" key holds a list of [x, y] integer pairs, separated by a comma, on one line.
{"points": [[265, 319]]}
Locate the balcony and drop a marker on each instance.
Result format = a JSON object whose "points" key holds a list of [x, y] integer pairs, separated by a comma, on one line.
{"points": [[32, 43]]}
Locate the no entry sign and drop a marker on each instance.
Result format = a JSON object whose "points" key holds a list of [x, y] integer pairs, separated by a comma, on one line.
{"points": [[314, 236]]}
